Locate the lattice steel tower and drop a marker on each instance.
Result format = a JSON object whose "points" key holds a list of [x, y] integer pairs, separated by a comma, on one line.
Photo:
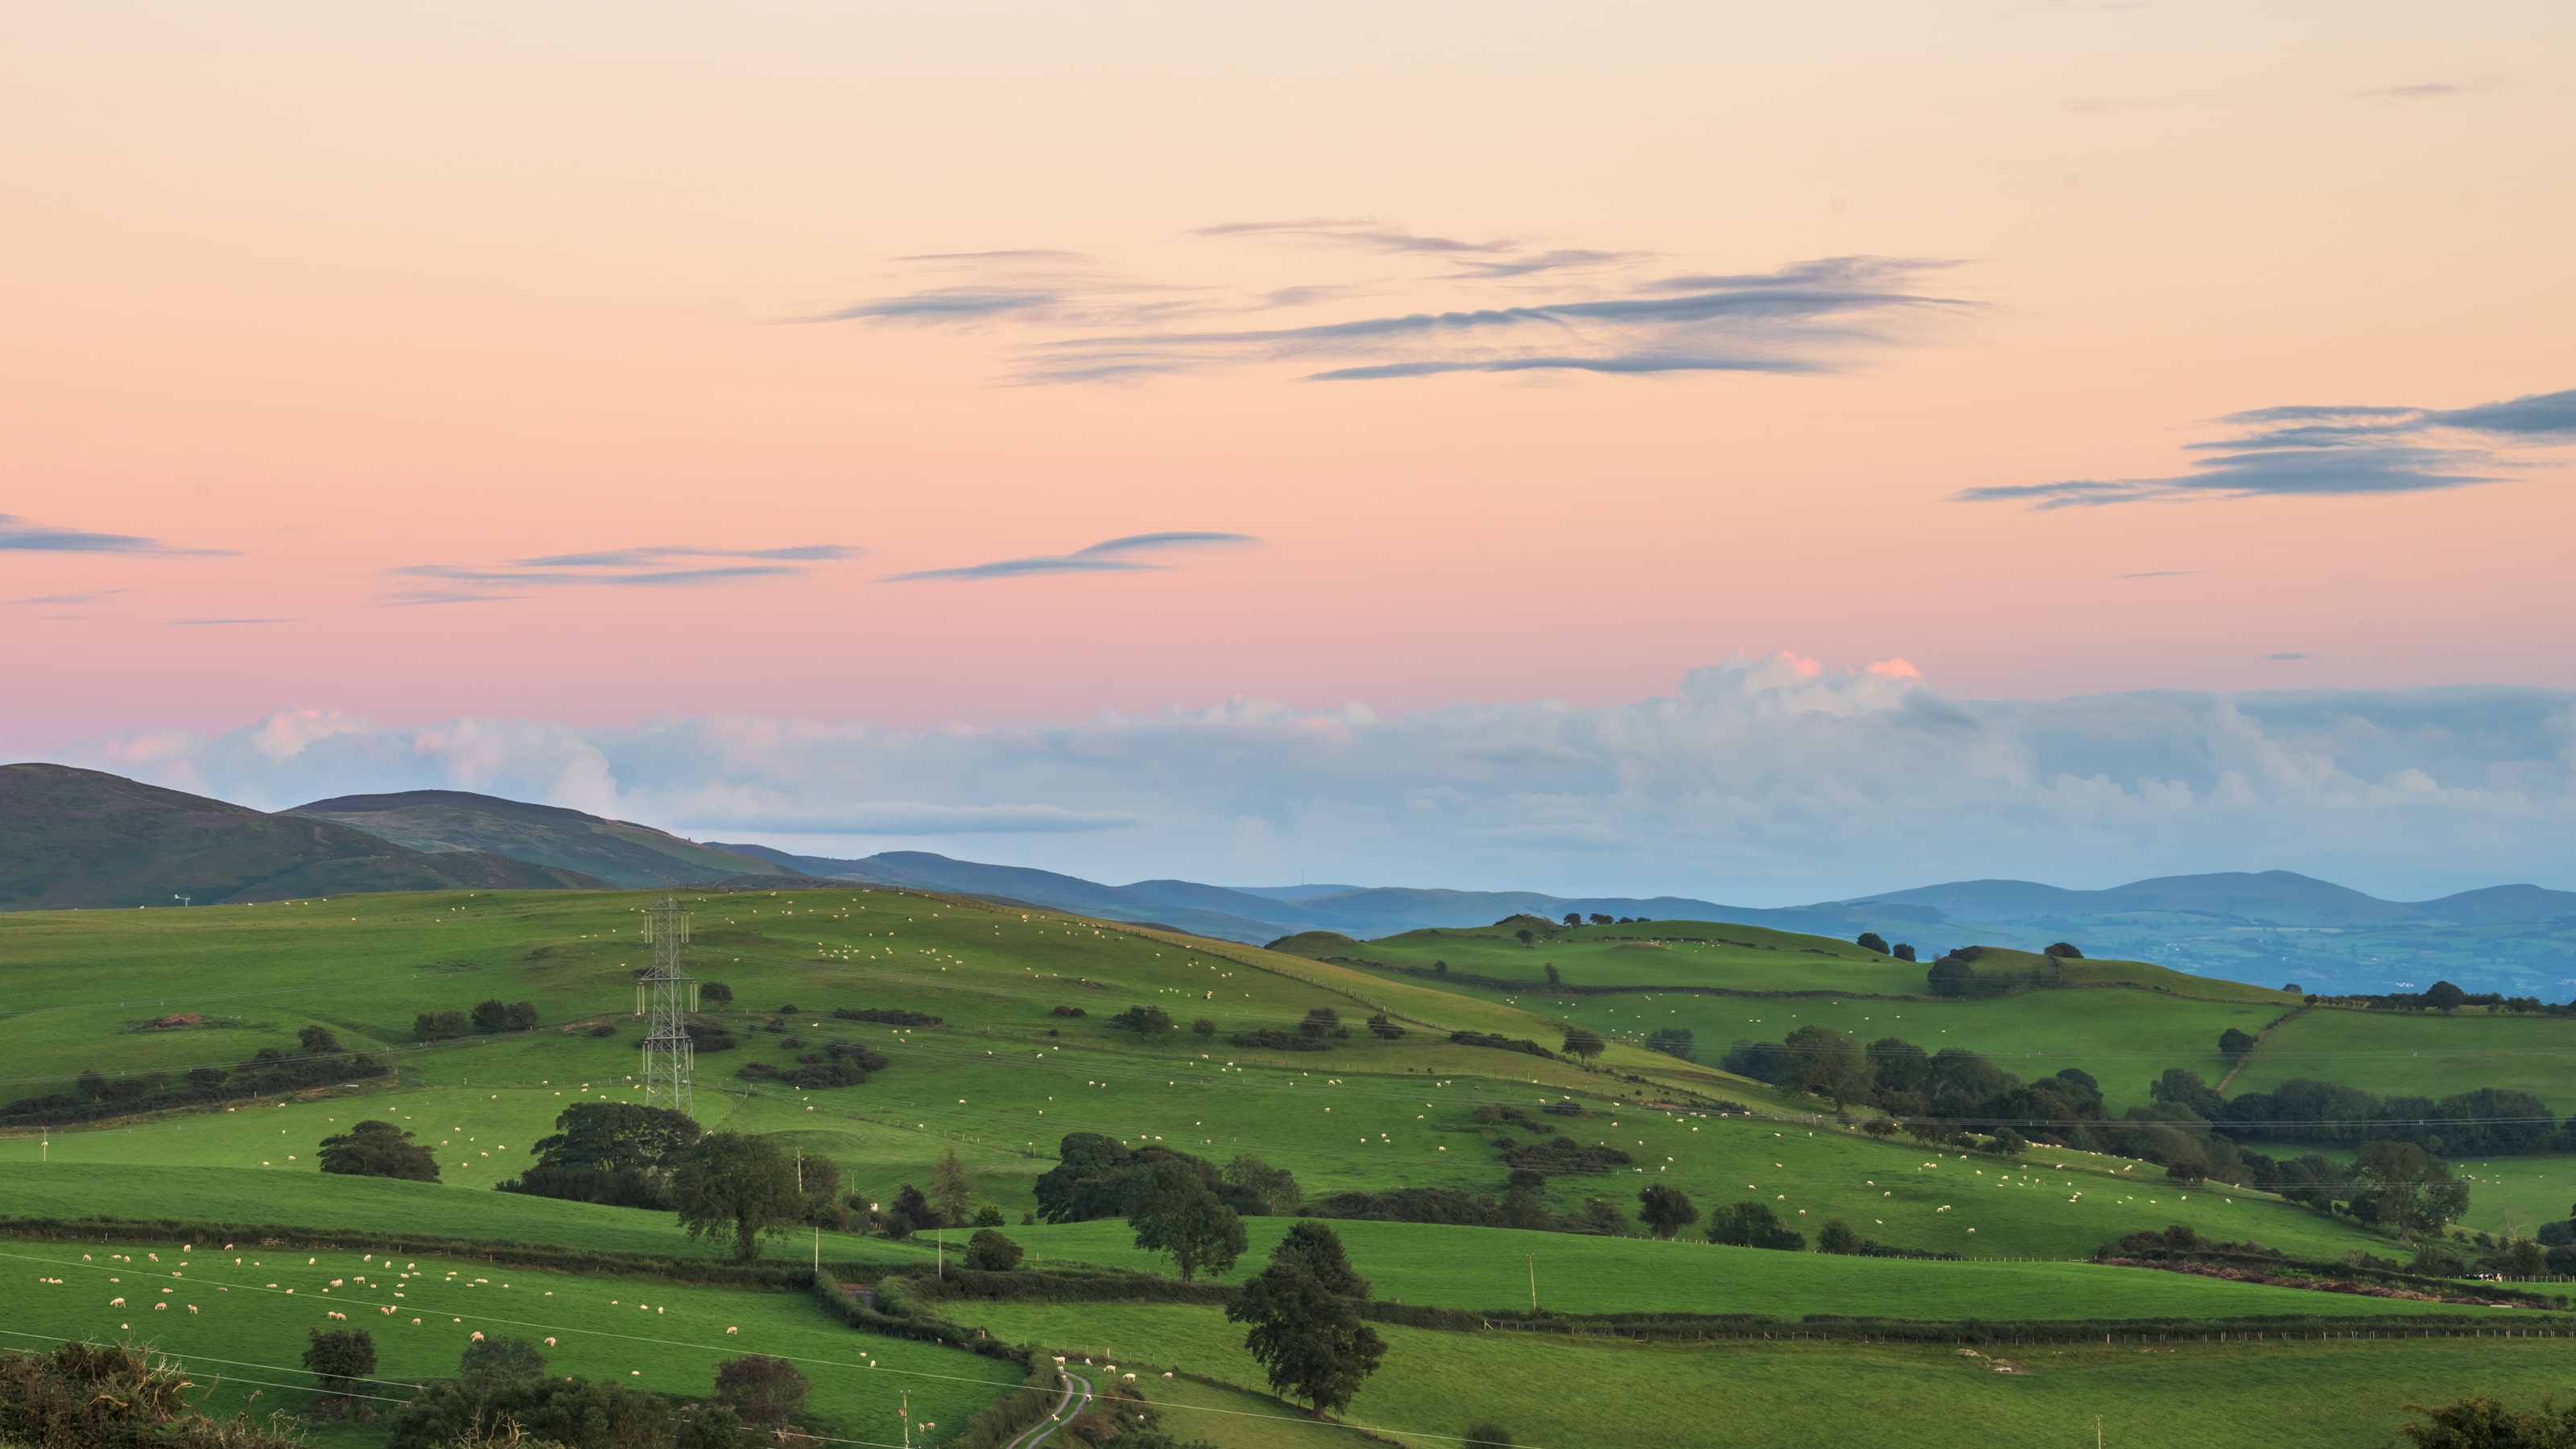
{"points": [[666, 995]]}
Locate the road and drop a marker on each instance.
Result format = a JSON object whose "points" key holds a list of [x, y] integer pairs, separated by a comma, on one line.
{"points": [[1077, 1397]]}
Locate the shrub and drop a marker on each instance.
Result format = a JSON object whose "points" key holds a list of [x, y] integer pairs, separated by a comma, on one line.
{"points": [[438, 1025], [989, 1216], [493, 1017], [2063, 952], [1872, 941], [1203, 1027], [886, 1016], [715, 993], [318, 1040], [1837, 1237], [1752, 1224], [1068, 1011], [707, 1036], [990, 1252], [1144, 1020], [340, 1358]]}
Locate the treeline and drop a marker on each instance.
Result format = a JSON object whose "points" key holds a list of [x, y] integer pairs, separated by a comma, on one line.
{"points": [[2489, 1121], [618, 1153], [271, 1071], [838, 1064], [1099, 1177], [2443, 996], [491, 1018]]}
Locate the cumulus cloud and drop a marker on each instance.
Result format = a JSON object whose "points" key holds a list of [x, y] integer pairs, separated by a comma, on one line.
{"points": [[23, 535], [1451, 305], [1117, 555], [657, 566], [2331, 449], [1760, 781]]}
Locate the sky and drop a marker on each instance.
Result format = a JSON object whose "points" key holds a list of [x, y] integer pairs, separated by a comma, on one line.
{"points": [[1584, 448]]}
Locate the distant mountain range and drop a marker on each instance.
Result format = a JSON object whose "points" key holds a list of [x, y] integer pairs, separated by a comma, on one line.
{"points": [[81, 838]]}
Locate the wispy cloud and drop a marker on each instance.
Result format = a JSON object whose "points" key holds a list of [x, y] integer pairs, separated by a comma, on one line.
{"points": [[2161, 574], [2285, 658], [1453, 305], [21, 535], [2345, 449], [1117, 555], [91, 597], [2430, 91], [198, 623], [645, 567]]}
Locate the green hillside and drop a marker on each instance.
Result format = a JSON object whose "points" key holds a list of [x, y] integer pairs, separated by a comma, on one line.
{"points": [[440, 822], [80, 839], [1010, 1068]]}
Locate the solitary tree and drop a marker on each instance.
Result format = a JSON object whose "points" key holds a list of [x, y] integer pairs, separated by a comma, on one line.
{"points": [[1903, 951], [2415, 1189], [1304, 1312], [2064, 951], [500, 1360], [990, 1252], [318, 1041], [1552, 978], [952, 1192], [1837, 1237], [1526, 935], [1574, 918], [1583, 1042], [762, 1390], [2443, 996], [1174, 1211], [340, 1358], [739, 1184], [1665, 1210], [2235, 1045], [379, 1149], [1872, 941]]}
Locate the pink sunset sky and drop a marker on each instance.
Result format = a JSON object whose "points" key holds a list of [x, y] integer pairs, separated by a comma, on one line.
{"points": [[876, 371]]}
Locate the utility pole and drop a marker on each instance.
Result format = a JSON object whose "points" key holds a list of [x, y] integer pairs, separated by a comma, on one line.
{"points": [[1533, 1270], [669, 995]]}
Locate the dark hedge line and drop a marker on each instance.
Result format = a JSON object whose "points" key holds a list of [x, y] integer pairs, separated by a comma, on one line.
{"points": [[785, 1277], [898, 1316], [269, 1074], [1106, 1285]]}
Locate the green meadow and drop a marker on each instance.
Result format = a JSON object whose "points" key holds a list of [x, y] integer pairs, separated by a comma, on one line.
{"points": [[1555, 1391], [2427, 1054], [1005, 1076]]}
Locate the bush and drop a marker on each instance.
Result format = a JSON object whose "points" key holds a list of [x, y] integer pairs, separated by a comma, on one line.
{"points": [[763, 1391], [886, 1016], [1144, 1020], [707, 1036], [340, 1358], [1069, 1011], [715, 993], [438, 1025], [1837, 1237], [1871, 941], [990, 1252], [1203, 1027], [1752, 1224], [2063, 952], [493, 1018], [114, 1396], [1903, 951], [318, 1040]]}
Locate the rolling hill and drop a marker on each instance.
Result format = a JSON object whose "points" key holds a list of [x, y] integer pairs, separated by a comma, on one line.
{"points": [[441, 822], [84, 839]]}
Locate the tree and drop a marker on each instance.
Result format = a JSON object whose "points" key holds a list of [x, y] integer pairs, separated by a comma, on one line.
{"points": [[1304, 1311], [989, 1216], [340, 1358], [952, 1192], [1902, 951], [1600, 918], [1871, 941], [1174, 1212], [990, 1252], [379, 1149], [318, 1041], [2010, 1143], [1665, 1210], [438, 1025], [2443, 996], [2526, 1259], [2412, 1188], [2486, 1424], [1440, 967], [735, 1183], [915, 1212], [620, 1153], [497, 1360], [1574, 918], [493, 1018], [2063, 952], [1752, 1224], [1203, 1027], [1827, 1062], [1526, 935], [1272, 1187], [1583, 1042], [1552, 978], [1837, 1237], [1144, 1020], [1672, 1041], [715, 993], [763, 1390], [2235, 1045], [1950, 976]]}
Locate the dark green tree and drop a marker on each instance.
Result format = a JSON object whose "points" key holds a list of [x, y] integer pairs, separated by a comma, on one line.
{"points": [[1751, 1224], [1902, 951], [1583, 1042], [1837, 1237], [318, 1041], [1144, 1020], [2411, 1188], [1951, 976], [1304, 1312], [1871, 941], [496, 1360], [340, 1358], [2484, 1423], [1665, 1210], [1526, 935], [1827, 1062], [2443, 996], [990, 1252], [764, 1391], [1272, 1187], [738, 1184], [2063, 952], [1173, 1211], [2235, 1045], [1553, 979], [379, 1149]]}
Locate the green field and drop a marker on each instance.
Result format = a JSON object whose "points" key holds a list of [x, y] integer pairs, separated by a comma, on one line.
{"points": [[1005, 1077], [244, 1315], [1552, 1391], [2427, 1054]]}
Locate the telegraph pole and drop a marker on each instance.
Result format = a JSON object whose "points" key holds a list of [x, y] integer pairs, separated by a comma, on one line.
{"points": [[1533, 1270]]}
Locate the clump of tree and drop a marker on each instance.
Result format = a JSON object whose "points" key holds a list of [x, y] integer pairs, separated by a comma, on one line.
{"points": [[715, 993], [1584, 1043], [2487, 1121], [2063, 951], [1672, 1041], [1098, 1177], [503, 1382], [1751, 1224], [2482, 1422], [763, 1392], [1498, 1040], [886, 1016], [1175, 1211], [378, 1149], [1144, 1020], [1281, 1041], [990, 1252], [271, 1071], [1665, 1210], [1304, 1313], [118, 1396], [2235, 1045], [709, 1036], [1871, 941], [340, 1360], [837, 1064], [618, 1153], [737, 1185]]}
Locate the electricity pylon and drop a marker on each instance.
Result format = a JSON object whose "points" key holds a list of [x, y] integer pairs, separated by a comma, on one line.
{"points": [[666, 995]]}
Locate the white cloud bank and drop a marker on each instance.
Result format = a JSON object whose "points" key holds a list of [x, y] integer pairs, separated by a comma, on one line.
{"points": [[1766, 781]]}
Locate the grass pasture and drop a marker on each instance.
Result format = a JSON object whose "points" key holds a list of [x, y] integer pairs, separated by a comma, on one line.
{"points": [[251, 1319], [1554, 1393], [2427, 1054]]}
